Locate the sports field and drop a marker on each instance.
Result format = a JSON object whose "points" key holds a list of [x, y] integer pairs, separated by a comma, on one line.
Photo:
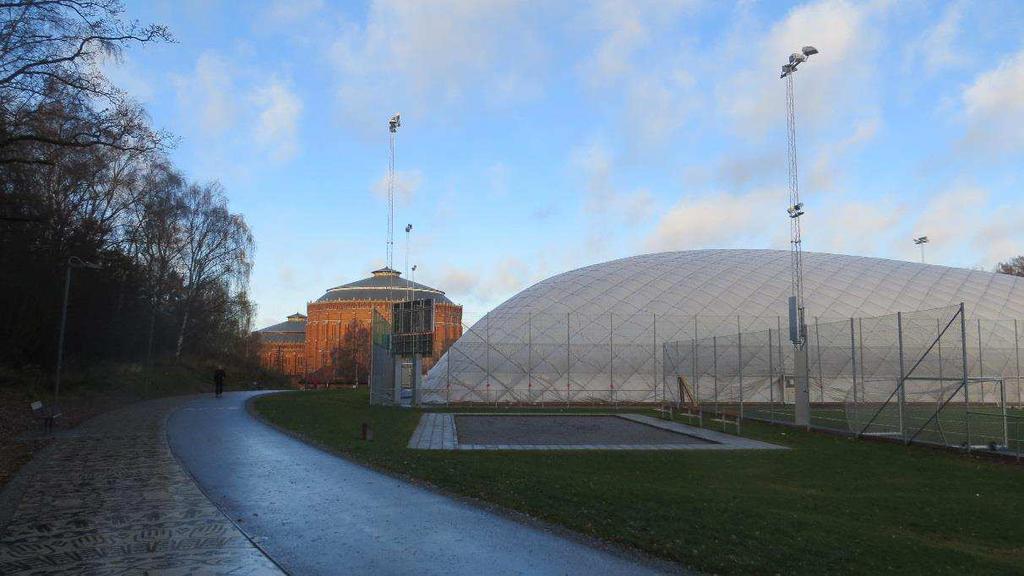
{"points": [[829, 505]]}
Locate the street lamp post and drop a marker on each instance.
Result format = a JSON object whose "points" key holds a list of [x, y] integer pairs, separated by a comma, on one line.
{"points": [[73, 262], [408, 231]]}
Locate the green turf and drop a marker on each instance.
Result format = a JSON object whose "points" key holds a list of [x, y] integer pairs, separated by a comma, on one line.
{"points": [[831, 505]]}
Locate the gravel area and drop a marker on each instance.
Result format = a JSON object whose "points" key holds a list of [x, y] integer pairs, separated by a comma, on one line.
{"points": [[562, 430]]}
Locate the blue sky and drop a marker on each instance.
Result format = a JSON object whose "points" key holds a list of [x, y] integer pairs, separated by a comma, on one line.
{"points": [[542, 136]]}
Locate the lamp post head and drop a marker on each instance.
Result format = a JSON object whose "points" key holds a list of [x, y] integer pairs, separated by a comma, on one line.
{"points": [[797, 58], [76, 262], [408, 227]]}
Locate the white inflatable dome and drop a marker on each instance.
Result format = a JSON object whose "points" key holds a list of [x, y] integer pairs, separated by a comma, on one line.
{"points": [[591, 333]]}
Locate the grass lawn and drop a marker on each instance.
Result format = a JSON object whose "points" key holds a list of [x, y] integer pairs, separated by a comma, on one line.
{"points": [[831, 505]]}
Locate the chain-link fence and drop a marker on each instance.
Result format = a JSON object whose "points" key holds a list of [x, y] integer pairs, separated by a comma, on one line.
{"points": [[928, 376], [899, 375]]}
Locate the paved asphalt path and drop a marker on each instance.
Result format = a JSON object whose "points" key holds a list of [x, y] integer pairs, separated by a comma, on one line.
{"points": [[315, 513]]}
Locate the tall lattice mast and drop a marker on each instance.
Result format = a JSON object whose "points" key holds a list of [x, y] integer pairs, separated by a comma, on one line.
{"points": [[796, 207], [393, 125]]}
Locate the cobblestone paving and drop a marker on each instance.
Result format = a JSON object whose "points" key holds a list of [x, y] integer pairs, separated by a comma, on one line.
{"points": [[109, 498]]}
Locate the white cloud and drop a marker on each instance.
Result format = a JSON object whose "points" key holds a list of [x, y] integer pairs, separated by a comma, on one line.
{"points": [[653, 81], [277, 121], [595, 165], [840, 80], [291, 11], [719, 220], [860, 227], [407, 183], [824, 172], [458, 282], [994, 108], [207, 94], [480, 291], [937, 48], [965, 226], [626, 28], [430, 55]]}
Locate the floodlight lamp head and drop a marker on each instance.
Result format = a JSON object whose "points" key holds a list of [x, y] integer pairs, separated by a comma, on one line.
{"points": [[414, 267], [394, 123], [796, 58], [408, 227], [808, 51], [786, 70]]}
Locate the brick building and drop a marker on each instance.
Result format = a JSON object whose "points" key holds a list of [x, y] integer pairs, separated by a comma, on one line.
{"points": [[283, 346], [303, 346]]}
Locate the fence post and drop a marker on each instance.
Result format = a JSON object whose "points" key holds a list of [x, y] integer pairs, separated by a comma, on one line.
{"points": [[696, 375], [714, 351], [782, 364], [967, 397], [981, 364], [1016, 348], [771, 379], [529, 357], [1002, 401], [654, 349], [863, 374], [611, 357], [821, 371], [942, 383], [568, 358], [739, 348], [487, 357], [853, 360], [901, 396]]}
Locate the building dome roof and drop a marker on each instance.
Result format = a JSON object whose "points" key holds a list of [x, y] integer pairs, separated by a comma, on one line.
{"points": [[291, 330], [385, 284]]}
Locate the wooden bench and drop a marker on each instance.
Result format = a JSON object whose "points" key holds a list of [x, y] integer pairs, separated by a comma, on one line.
{"points": [[46, 413]]}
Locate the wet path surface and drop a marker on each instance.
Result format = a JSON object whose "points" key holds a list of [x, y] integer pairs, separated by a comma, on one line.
{"points": [[109, 498], [316, 513]]}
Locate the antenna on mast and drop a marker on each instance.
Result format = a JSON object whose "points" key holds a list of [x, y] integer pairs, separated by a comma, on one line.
{"points": [[393, 123]]}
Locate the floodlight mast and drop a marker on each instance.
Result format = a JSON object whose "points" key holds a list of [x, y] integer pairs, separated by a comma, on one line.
{"points": [[393, 124], [797, 321], [796, 207], [921, 241]]}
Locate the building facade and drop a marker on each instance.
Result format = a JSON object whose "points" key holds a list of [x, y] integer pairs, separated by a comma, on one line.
{"points": [[283, 346], [305, 349]]}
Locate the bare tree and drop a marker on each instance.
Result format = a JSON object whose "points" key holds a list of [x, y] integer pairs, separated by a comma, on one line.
{"points": [[218, 248], [1014, 266], [51, 53], [351, 358]]}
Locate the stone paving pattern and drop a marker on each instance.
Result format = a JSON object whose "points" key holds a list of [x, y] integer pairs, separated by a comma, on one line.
{"points": [[441, 431], [110, 498]]}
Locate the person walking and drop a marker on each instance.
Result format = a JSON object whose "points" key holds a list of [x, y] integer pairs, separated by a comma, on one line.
{"points": [[218, 380]]}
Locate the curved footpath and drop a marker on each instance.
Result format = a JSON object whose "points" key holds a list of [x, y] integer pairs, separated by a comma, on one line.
{"points": [[316, 513], [108, 497]]}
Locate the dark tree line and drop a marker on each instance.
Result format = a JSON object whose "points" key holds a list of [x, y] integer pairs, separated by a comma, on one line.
{"points": [[83, 174]]}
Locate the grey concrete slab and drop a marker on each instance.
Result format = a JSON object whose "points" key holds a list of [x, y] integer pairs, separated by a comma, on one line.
{"points": [[316, 513], [521, 431]]}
